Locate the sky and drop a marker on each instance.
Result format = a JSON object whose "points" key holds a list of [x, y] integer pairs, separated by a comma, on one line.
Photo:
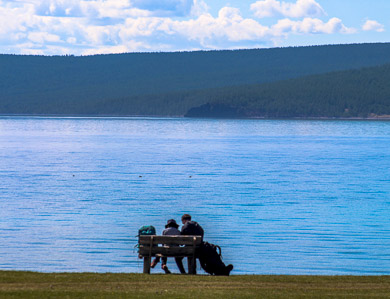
{"points": [[86, 27]]}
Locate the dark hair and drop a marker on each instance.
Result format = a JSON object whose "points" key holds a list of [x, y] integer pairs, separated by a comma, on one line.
{"points": [[171, 223], [186, 217]]}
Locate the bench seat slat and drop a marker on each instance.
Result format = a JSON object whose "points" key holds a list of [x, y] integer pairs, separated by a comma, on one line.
{"points": [[166, 251], [170, 240], [169, 246]]}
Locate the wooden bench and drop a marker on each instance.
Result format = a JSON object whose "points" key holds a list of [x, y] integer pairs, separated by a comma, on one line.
{"points": [[169, 246]]}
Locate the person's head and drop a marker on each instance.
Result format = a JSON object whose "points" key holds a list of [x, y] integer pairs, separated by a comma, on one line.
{"points": [[185, 218], [171, 223]]}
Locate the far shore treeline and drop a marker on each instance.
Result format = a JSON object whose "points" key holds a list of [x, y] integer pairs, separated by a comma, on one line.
{"points": [[319, 81]]}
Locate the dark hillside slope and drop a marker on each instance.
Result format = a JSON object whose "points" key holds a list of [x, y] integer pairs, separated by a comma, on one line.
{"points": [[68, 84], [356, 93]]}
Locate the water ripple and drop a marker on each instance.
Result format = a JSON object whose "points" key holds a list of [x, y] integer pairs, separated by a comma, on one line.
{"points": [[279, 197]]}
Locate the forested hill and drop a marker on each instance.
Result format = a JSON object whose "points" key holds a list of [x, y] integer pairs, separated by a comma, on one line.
{"points": [[157, 83], [355, 93], [360, 93]]}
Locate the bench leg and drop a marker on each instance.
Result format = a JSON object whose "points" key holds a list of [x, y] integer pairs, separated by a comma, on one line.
{"points": [[191, 265], [147, 264]]}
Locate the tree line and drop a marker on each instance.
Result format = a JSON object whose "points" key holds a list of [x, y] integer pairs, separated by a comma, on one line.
{"points": [[278, 82]]}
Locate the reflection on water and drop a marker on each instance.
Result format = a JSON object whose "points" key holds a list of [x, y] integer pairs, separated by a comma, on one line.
{"points": [[279, 197]]}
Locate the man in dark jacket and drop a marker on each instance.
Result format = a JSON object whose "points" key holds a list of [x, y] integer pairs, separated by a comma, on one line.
{"points": [[191, 228]]}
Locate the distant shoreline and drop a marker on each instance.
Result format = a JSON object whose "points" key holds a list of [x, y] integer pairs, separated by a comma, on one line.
{"points": [[373, 118]]}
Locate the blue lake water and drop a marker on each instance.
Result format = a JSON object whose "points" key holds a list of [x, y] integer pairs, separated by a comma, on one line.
{"points": [[279, 196]]}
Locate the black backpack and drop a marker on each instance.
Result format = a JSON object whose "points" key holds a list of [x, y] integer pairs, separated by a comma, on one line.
{"points": [[210, 258]]}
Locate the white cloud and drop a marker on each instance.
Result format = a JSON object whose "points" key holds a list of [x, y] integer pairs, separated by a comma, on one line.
{"points": [[310, 26], [199, 8], [115, 8], [165, 7], [14, 19], [229, 26], [132, 46], [99, 9], [372, 25], [302, 8], [42, 37], [113, 26], [60, 8]]}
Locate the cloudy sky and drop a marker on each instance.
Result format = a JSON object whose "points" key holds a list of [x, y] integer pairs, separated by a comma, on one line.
{"points": [[57, 27]]}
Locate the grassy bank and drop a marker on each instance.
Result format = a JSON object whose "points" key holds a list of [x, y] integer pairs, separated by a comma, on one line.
{"points": [[14, 284]]}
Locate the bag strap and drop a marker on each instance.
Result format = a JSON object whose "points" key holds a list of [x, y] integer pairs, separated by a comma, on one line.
{"points": [[220, 251]]}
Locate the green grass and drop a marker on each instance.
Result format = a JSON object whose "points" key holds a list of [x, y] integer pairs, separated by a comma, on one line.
{"points": [[15, 284]]}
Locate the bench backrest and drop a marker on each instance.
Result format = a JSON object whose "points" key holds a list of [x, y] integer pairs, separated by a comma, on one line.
{"points": [[168, 245]]}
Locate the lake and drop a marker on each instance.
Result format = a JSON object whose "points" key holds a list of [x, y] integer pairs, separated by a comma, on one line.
{"points": [[279, 196]]}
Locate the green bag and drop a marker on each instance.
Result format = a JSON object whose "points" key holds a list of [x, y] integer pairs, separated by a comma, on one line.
{"points": [[147, 230]]}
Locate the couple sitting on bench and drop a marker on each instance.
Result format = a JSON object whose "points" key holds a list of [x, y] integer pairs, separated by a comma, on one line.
{"points": [[209, 255], [171, 229]]}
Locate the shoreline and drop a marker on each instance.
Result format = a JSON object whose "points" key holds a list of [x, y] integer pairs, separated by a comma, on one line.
{"points": [[371, 118]]}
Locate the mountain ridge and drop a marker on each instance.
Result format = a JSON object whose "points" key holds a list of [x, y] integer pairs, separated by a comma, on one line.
{"points": [[88, 84]]}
